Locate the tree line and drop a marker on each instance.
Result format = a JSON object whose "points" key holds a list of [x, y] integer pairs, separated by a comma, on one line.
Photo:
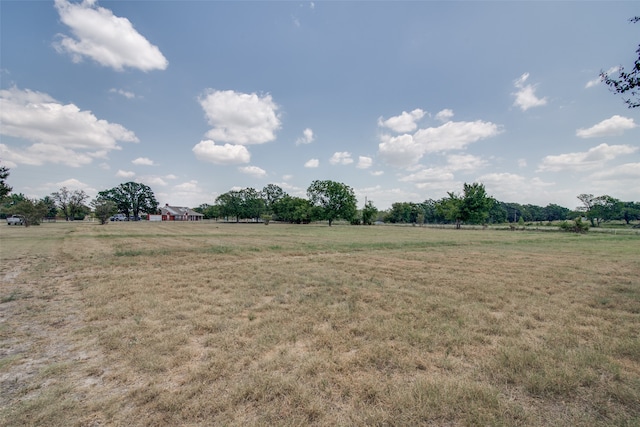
{"points": [[326, 201]]}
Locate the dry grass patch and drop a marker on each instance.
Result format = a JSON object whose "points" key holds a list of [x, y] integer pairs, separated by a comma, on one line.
{"points": [[200, 324]]}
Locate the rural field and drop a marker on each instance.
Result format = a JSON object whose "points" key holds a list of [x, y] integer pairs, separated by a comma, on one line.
{"points": [[199, 324]]}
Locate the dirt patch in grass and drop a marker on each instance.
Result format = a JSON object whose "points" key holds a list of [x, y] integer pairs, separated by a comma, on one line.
{"points": [[201, 324]]}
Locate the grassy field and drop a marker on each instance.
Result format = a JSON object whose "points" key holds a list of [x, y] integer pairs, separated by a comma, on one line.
{"points": [[240, 324]]}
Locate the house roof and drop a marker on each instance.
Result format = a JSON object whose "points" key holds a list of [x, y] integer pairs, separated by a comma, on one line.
{"points": [[178, 211]]}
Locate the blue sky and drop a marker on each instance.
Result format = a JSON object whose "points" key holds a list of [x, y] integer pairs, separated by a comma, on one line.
{"points": [[402, 101]]}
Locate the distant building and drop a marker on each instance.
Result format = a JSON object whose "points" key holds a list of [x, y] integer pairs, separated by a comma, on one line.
{"points": [[179, 213]]}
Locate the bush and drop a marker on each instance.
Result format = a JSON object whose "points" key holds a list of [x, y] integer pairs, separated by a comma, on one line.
{"points": [[576, 226]]}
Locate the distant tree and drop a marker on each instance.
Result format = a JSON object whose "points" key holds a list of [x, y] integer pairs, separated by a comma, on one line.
{"points": [[4, 188], [630, 212], [556, 212], [476, 204], [71, 203], [334, 200], [103, 209], [295, 210], [449, 208], [626, 82], [52, 209], [588, 203], [252, 203], [369, 213], [31, 211], [271, 194], [132, 198], [230, 204], [209, 211]]}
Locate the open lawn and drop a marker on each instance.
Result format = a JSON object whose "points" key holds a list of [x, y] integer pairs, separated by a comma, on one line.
{"points": [[240, 324]]}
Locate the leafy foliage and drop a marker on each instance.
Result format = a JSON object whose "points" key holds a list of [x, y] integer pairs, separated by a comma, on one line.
{"points": [[71, 203], [334, 200], [103, 209], [626, 82], [4, 188], [32, 211], [131, 198]]}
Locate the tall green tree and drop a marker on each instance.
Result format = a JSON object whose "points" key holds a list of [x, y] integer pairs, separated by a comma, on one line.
{"points": [[103, 209], [369, 213], [71, 203], [252, 203], [230, 204], [626, 83], [476, 204], [296, 210], [450, 208], [271, 194], [4, 188], [31, 211], [334, 200], [132, 198]]}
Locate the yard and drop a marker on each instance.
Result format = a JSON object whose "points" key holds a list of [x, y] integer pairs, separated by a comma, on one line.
{"points": [[196, 324]]}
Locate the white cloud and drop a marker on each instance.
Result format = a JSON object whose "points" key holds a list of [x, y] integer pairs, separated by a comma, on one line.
{"points": [[61, 133], [522, 163], [312, 163], [226, 154], [526, 95], [125, 174], [240, 118], [444, 115], [429, 175], [152, 181], [364, 162], [616, 125], [109, 40], [509, 187], [591, 159], [465, 162], [405, 122], [143, 161], [454, 135], [306, 138], [287, 177], [407, 150], [377, 173], [253, 171], [126, 94], [620, 172], [341, 158]]}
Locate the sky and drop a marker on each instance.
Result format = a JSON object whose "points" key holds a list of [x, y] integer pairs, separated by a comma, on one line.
{"points": [[402, 101]]}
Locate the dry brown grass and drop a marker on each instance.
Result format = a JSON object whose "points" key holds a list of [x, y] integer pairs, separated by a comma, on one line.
{"points": [[225, 324]]}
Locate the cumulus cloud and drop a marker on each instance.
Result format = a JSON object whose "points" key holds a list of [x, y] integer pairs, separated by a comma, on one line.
{"points": [[616, 125], [465, 162], [364, 162], [144, 161], [405, 122], [253, 171], [526, 95], [429, 175], [586, 160], [312, 163], [407, 150], [240, 118], [125, 174], [444, 115], [627, 171], [61, 133], [509, 186], [109, 40], [341, 158], [306, 138], [227, 154]]}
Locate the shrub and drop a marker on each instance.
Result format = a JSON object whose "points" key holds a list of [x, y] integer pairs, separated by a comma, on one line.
{"points": [[576, 226]]}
